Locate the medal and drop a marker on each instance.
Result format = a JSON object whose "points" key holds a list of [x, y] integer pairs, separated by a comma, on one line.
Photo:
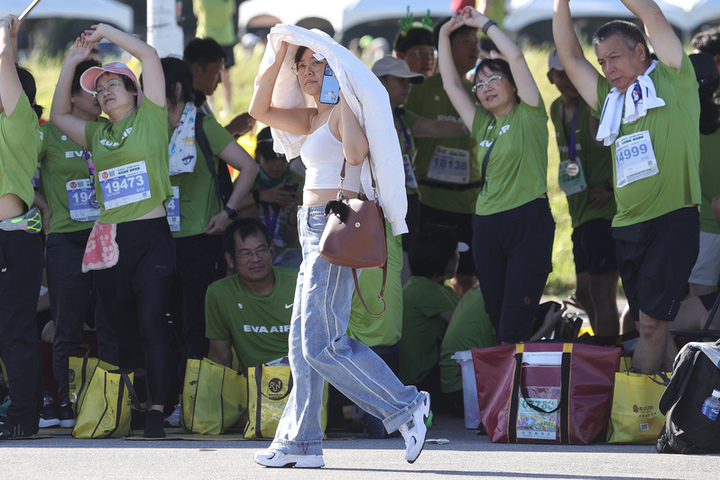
{"points": [[93, 201], [572, 169]]}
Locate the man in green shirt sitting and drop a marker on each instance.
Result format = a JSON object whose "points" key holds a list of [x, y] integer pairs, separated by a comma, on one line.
{"points": [[250, 311]]}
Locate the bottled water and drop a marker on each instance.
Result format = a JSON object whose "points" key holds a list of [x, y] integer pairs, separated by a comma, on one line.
{"points": [[711, 406]]}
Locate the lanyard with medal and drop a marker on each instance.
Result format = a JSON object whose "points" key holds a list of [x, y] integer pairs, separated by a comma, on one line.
{"points": [[572, 168], [406, 135], [93, 198]]}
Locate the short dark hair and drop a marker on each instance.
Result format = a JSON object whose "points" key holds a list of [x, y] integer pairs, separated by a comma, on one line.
{"points": [[79, 70], [496, 65], [299, 53], [707, 41], [177, 71], [244, 227], [454, 33], [264, 147], [203, 51], [431, 250], [413, 37], [630, 33], [30, 88], [706, 73]]}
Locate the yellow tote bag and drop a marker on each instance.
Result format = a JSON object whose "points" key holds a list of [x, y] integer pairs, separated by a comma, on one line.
{"points": [[214, 397], [106, 408], [268, 389], [635, 416], [80, 372]]}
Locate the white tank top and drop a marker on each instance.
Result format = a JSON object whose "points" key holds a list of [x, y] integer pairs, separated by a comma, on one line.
{"points": [[323, 157]]}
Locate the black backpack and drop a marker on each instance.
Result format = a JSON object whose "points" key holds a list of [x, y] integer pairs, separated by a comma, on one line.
{"points": [[223, 180], [695, 376]]}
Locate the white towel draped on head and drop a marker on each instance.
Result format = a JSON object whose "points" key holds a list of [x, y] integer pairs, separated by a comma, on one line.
{"points": [[637, 100], [367, 98]]}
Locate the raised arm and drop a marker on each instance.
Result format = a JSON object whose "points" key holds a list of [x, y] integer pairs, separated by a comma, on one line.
{"points": [[10, 86], [291, 121], [666, 44], [582, 74], [355, 143], [452, 83], [524, 81], [61, 110], [154, 78]]}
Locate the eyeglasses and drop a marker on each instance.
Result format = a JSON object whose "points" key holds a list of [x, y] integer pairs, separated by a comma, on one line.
{"points": [[493, 81], [422, 54], [262, 252], [110, 86], [315, 66]]}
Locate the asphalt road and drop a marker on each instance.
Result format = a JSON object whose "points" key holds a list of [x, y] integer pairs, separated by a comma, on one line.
{"points": [[466, 455]]}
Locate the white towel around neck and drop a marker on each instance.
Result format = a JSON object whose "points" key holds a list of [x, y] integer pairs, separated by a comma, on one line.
{"points": [[182, 149], [637, 100]]}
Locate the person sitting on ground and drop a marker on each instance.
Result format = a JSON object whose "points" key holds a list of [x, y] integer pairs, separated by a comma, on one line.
{"points": [[249, 311], [428, 307], [585, 175], [649, 112], [274, 199]]}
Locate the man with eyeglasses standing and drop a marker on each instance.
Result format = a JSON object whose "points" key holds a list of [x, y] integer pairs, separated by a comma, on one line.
{"points": [[447, 170], [251, 309]]}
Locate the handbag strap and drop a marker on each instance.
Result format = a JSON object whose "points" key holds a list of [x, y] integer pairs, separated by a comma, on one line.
{"points": [[204, 145], [380, 295], [518, 390]]}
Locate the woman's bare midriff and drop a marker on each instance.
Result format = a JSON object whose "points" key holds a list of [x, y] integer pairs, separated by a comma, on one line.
{"points": [[11, 206], [156, 212], [312, 198]]}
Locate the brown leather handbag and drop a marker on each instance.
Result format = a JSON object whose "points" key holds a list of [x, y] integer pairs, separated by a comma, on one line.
{"points": [[355, 235]]}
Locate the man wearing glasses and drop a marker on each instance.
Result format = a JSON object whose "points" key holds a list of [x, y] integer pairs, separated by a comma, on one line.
{"points": [[250, 310]]}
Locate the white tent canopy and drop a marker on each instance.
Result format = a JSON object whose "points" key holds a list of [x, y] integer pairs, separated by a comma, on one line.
{"points": [[363, 11], [686, 15], [109, 11]]}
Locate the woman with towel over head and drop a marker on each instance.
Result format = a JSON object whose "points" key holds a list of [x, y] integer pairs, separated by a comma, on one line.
{"points": [[324, 135]]}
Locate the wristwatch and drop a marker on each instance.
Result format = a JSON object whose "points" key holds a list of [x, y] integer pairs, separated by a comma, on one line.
{"points": [[231, 213], [487, 25]]}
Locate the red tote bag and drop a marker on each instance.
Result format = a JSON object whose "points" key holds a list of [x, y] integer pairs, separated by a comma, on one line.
{"points": [[545, 392]]}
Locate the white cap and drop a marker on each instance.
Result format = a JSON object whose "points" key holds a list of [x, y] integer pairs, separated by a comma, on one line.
{"points": [[397, 67]]}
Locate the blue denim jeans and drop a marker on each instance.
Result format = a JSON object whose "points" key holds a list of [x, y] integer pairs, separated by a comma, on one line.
{"points": [[319, 350]]}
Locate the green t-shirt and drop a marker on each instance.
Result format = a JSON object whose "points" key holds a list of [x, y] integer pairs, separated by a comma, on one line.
{"points": [[132, 174], [64, 175], [215, 19], [596, 163], [451, 161], [386, 329], [19, 147], [423, 328], [517, 169], [674, 134], [197, 190], [709, 180], [258, 326], [469, 327]]}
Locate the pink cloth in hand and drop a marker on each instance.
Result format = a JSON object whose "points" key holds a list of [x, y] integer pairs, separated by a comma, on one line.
{"points": [[102, 249]]}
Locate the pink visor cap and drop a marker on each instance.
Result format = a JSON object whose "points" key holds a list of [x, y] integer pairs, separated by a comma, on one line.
{"points": [[89, 78]]}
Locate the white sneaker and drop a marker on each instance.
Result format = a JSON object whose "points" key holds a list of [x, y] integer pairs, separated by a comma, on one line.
{"points": [[173, 420], [277, 459], [414, 430]]}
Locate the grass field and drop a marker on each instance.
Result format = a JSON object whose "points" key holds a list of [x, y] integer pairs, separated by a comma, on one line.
{"points": [[561, 281]]}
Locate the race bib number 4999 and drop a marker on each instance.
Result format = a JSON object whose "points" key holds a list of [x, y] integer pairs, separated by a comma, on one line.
{"points": [[124, 185]]}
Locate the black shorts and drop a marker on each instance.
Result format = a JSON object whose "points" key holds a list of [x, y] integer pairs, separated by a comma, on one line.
{"points": [[594, 247], [655, 259], [229, 56], [462, 223]]}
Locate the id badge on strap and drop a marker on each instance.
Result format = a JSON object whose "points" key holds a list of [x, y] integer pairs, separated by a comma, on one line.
{"points": [[410, 180], [173, 210], [634, 158], [450, 165], [572, 184], [81, 200], [125, 185]]}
